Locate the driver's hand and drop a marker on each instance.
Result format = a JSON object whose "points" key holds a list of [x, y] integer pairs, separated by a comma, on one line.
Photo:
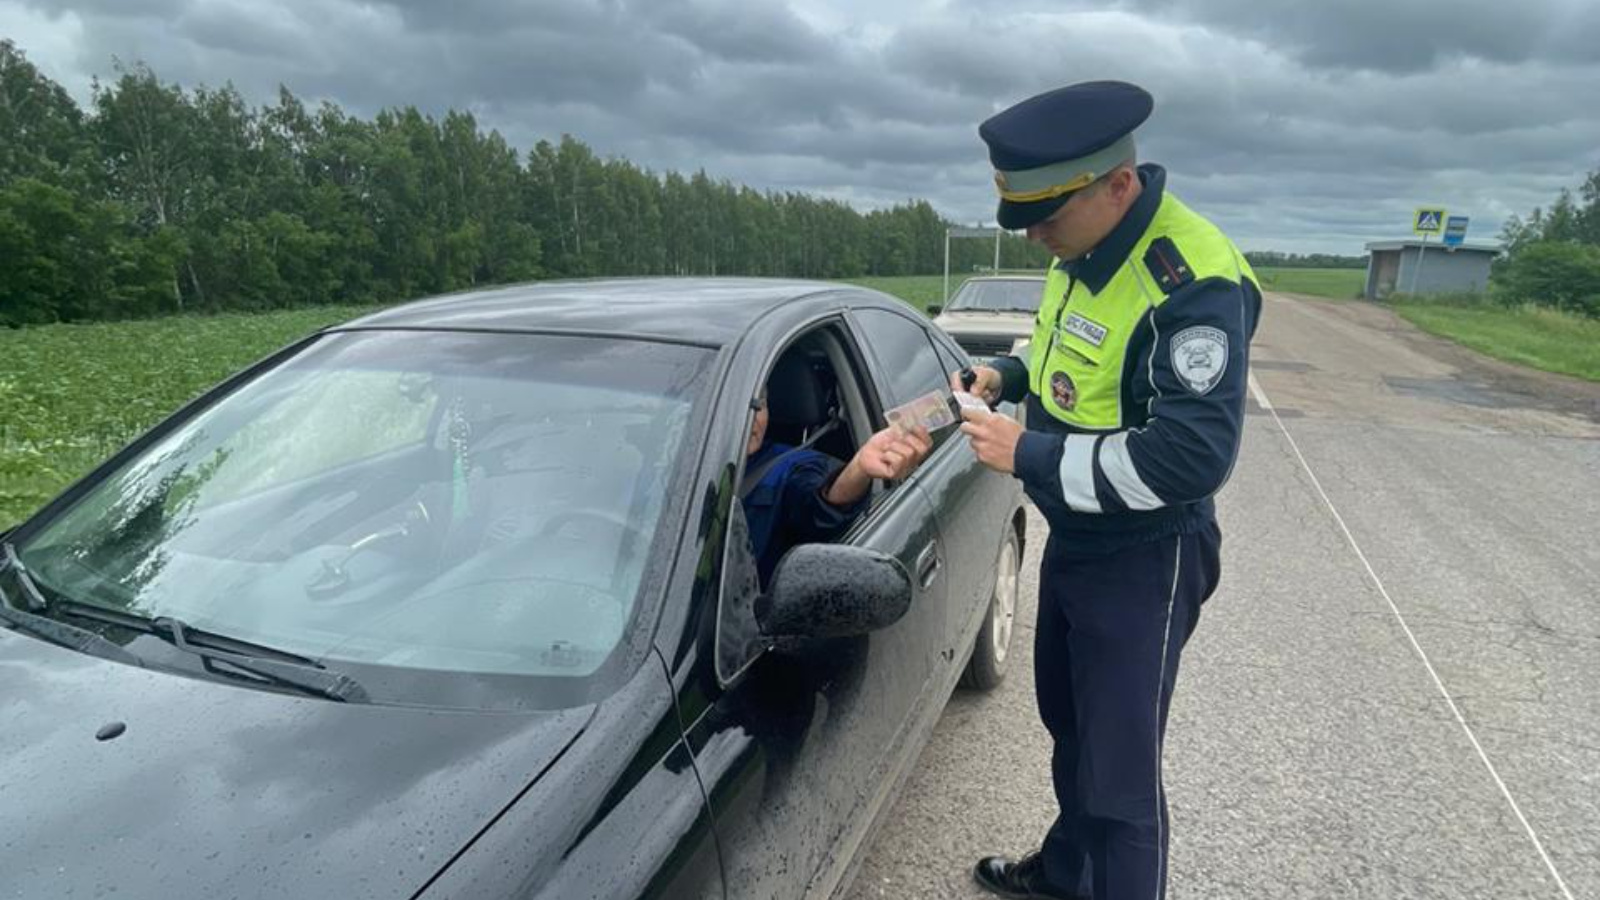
{"points": [[985, 387], [893, 454]]}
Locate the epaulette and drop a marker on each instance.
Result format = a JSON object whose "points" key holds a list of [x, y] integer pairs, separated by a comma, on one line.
{"points": [[1167, 266]]}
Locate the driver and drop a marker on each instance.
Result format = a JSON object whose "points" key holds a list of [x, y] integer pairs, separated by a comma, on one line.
{"points": [[807, 497]]}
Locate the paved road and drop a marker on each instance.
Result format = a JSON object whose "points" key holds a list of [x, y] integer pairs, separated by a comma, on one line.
{"points": [[1395, 692]]}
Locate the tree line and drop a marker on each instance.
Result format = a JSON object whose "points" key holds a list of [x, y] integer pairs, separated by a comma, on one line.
{"points": [[159, 199], [1552, 257], [1274, 259]]}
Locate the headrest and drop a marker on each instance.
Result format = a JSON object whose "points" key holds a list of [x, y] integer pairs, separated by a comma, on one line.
{"points": [[795, 395]]}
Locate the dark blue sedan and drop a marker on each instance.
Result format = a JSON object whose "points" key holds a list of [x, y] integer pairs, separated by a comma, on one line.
{"points": [[456, 601]]}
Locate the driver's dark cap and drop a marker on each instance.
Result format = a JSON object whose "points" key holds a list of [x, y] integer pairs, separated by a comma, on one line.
{"points": [[1049, 146]]}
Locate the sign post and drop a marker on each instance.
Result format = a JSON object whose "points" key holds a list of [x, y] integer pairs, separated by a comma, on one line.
{"points": [[1455, 231], [958, 232], [1426, 221]]}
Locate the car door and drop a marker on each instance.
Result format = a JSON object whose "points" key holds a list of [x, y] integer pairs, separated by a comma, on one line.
{"points": [[959, 489], [978, 502], [806, 741]]}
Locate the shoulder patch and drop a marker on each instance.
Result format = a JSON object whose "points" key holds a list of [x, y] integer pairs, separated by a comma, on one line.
{"points": [[1167, 266], [1199, 357]]}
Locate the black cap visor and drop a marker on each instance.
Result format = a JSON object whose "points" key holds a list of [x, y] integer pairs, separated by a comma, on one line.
{"points": [[1014, 216]]}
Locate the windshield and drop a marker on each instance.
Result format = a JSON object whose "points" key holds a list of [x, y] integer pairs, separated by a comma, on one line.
{"points": [[1000, 295], [443, 502]]}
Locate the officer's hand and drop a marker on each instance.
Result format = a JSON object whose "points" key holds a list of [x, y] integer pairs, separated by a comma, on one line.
{"points": [[994, 438], [986, 386], [893, 454]]}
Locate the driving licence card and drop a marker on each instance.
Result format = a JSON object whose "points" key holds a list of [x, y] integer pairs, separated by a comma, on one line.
{"points": [[965, 400], [933, 410]]}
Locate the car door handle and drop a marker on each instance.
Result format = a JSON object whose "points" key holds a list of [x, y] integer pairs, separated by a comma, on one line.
{"points": [[928, 563]]}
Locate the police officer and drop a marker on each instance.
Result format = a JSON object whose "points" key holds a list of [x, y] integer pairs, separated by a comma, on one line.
{"points": [[1135, 387]]}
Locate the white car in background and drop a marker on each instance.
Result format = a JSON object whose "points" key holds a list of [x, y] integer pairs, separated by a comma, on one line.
{"points": [[989, 316]]}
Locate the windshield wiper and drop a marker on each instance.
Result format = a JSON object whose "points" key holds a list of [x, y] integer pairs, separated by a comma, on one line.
{"points": [[14, 563], [59, 633], [266, 664], [278, 668], [69, 636], [176, 630]]}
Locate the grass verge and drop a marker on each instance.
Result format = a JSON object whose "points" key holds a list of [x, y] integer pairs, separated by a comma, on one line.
{"points": [[1533, 336]]}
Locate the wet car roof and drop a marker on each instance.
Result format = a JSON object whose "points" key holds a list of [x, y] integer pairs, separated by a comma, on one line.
{"points": [[707, 311]]}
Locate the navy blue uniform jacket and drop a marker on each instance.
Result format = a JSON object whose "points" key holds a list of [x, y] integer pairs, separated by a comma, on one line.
{"points": [[1102, 492]]}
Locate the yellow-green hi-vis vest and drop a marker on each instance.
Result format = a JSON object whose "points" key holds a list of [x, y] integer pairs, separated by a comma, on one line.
{"points": [[1077, 359]]}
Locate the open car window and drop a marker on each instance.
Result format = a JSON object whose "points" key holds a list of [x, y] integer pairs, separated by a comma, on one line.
{"points": [[840, 377]]}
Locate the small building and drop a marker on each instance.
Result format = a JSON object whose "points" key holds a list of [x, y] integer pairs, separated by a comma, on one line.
{"points": [[1392, 268]]}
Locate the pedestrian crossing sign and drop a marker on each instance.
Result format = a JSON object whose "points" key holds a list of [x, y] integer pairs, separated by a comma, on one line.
{"points": [[1428, 221]]}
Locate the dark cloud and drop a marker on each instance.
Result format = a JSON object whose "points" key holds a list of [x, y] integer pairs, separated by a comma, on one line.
{"points": [[1297, 125], [738, 31], [1395, 37], [1413, 36], [244, 29], [972, 60]]}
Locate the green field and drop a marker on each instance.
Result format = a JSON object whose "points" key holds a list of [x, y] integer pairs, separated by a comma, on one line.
{"points": [[71, 395], [1339, 284], [1529, 335], [917, 290]]}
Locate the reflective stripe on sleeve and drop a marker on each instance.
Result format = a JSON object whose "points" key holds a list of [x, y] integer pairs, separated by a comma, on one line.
{"points": [[1077, 473], [1124, 478]]}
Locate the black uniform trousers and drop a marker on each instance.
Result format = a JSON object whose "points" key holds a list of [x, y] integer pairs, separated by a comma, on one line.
{"points": [[1110, 631]]}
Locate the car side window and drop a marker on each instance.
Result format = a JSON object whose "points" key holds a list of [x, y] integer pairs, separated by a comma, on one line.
{"points": [[903, 348], [910, 363], [844, 377], [950, 359]]}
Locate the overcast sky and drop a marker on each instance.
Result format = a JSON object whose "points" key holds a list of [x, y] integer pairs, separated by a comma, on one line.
{"points": [[1298, 126]]}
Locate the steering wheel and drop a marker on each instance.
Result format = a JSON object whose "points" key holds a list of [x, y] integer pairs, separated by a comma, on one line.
{"points": [[334, 577], [630, 534]]}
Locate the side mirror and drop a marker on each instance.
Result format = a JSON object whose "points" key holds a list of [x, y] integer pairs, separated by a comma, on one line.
{"points": [[934, 309], [828, 591]]}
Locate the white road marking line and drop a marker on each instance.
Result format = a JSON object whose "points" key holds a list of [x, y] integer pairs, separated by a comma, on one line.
{"points": [[1538, 845], [1161, 686], [1261, 397]]}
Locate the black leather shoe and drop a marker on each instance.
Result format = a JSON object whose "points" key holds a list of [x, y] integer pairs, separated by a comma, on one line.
{"points": [[1022, 879]]}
